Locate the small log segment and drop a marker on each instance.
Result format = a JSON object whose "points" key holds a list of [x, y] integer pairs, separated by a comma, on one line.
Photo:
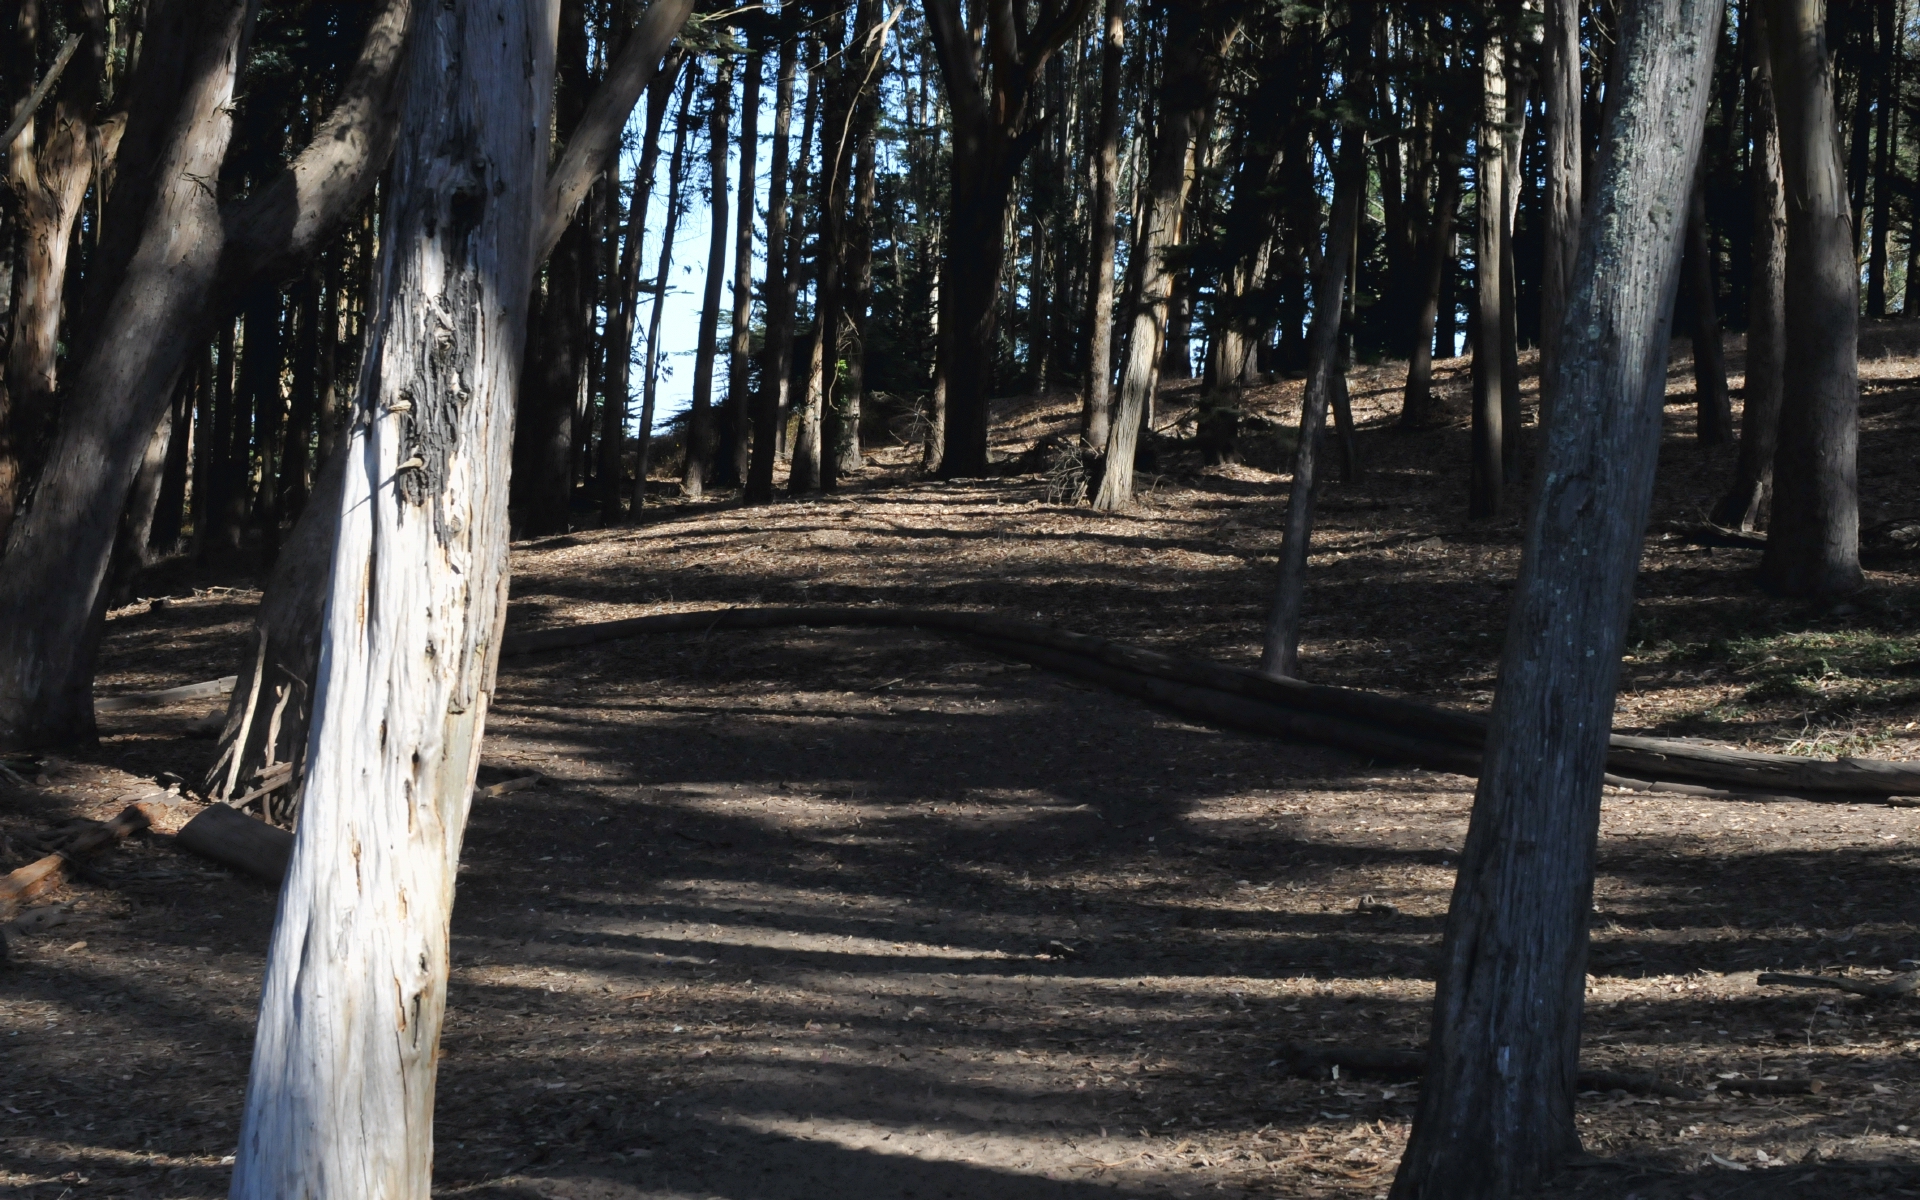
{"points": [[1410, 1065], [44, 874], [1364, 722], [227, 835]]}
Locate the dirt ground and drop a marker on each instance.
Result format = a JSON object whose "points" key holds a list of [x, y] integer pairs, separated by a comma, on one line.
{"points": [[870, 914]]}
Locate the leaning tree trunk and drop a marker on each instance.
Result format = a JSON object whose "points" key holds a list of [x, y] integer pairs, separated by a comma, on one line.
{"points": [[777, 352], [168, 262], [340, 1097], [1489, 431], [1282, 652], [1813, 539], [1713, 422], [1744, 505], [1186, 92], [699, 460], [1496, 1109], [1097, 413]]}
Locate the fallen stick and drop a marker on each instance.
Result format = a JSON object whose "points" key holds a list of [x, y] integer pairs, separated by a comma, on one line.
{"points": [[1409, 1065], [44, 874], [1896, 988]]}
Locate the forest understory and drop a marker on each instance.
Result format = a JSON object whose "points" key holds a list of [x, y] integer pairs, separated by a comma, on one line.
{"points": [[864, 913]]}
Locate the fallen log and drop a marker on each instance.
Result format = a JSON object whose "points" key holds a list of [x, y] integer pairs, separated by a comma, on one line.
{"points": [[1370, 723], [230, 837], [44, 874], [1409, 1065], [190, 691]]}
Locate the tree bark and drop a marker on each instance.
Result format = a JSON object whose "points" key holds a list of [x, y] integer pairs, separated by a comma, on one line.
{"points": [[739, 428], [776, 361], [1744, 506], [1281, 655], [340, 1096], [1496, 1109], [167, 259], [1490, 434], [650, 383], [1190, 73], [1096, 415], [700, 433], [1813, 540], [1565, 155], [1713, 420]]}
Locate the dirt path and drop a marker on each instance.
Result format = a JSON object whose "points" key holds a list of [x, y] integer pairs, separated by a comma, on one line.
{"points": [[868, 914]]}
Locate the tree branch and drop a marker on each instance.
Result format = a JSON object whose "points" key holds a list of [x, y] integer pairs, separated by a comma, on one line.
{"points": [[271, 233], [598, 132]]}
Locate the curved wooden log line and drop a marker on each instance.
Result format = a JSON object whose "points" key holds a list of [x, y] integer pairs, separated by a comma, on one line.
{"points": [[1242, 698]]}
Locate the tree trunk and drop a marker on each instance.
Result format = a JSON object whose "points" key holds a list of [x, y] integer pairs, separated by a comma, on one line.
{"points": [[1496, 1108], [1744, 506], [650, 383], [1282, 652], [545, 432], [167, 264], [739, 429], [700, 433], [1813, 540], [1417, 408], [619, 398], [776, 361], [1561, 207], [340, 1097], [1713, 422], [1190, 73], [1490, 208]]}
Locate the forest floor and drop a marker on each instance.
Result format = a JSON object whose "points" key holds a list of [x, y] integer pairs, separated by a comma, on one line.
{"points": [[856, 913]]}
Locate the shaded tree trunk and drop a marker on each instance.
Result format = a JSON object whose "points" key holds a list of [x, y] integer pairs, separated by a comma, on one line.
{"points": [[776, 363], [1496, 1108], [700, 432], [1813, 539], [1744, 506], [1096, 413], [340, 1095], [1281, 655]]}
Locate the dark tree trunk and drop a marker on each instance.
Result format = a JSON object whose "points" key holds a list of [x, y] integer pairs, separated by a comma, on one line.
{"points": [[650, 380], [1713, 422], [1282, 652], [700, 432], [1561, 208], [1490, 433], [1097, 412], [739, 440], [1813, 539], [1418, 409], [1744, 505], [776, 360], [1496, 1109]]}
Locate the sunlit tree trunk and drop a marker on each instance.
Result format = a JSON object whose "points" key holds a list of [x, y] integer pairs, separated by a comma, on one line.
{"points": [[1496, 1108], [340, 1096]]}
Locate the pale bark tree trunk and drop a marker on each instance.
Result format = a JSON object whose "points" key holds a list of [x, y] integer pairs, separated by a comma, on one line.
{"points": [[1565, 152], [1282, 652], [1097, 412], [1713, 421], [777, 354], [650, 379], [1813, 538], [1489, 427], [168, 258], [1744, 505], [739, 342], [700, 438], [1496, 1109], [340, 1097], [1190, 73]]}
